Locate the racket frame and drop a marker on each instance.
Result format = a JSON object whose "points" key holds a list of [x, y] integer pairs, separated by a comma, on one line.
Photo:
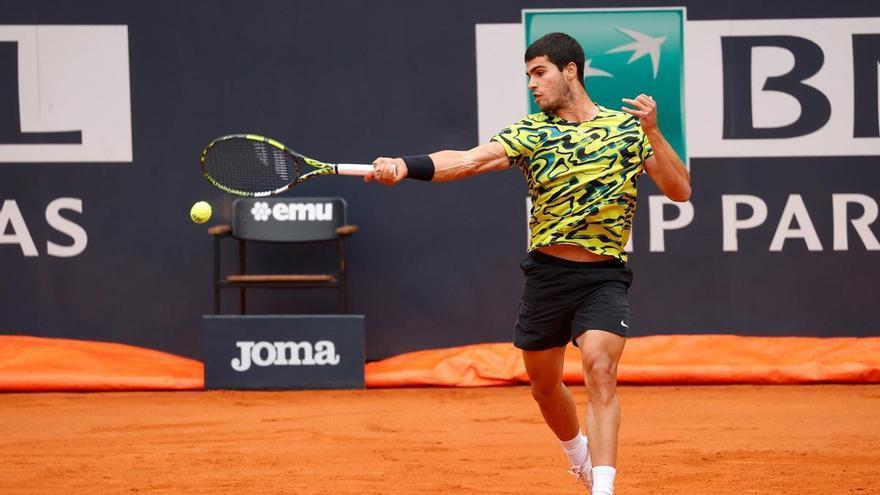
{"points": [[321, 168]]}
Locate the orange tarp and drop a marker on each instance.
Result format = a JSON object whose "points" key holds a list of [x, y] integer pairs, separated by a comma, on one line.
{"points": [[42, 364], [34, 364], [667, 359]]}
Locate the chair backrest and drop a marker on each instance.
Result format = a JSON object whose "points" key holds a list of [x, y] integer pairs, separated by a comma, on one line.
{"points": [[287, 219]]}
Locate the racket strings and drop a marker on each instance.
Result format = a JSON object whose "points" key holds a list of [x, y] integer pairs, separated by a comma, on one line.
{"points": [[250, 165]]}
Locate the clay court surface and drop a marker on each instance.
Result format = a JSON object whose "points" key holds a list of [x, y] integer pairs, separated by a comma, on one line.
{"points": [[821, 439]]}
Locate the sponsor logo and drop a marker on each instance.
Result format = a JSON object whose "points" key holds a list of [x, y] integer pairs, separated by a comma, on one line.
{"points": [[261, 211], [765, 87], [14, 229], [293, 212], [852, 216], [784, 87], [64, 94], [629, 51], [262, 354]]}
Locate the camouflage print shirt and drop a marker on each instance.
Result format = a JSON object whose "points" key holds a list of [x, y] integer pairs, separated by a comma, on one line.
{"points": [[581, 177]]}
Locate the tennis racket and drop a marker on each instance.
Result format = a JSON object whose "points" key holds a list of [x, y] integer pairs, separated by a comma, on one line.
{"points": [[254, 166]]}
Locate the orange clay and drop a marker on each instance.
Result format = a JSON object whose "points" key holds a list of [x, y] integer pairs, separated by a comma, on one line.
{"points": [[695, 440]]}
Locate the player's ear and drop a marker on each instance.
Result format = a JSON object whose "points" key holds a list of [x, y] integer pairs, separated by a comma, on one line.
{"points": [[571, 71]]}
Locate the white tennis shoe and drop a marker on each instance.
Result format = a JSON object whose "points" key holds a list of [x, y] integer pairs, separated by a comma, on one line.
{"points": [[584, 473]]}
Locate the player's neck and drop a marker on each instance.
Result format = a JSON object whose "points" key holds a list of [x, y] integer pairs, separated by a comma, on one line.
{"points": [[580, 109]]}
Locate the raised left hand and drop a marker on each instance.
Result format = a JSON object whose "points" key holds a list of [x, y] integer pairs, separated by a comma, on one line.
{"points": [[645, 109]]}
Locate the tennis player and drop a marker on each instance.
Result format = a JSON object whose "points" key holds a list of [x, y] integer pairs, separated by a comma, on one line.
{"points": [[581, 162]]}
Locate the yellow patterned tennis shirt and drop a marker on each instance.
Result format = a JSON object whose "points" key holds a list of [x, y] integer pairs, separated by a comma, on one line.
{"points": [[581, 177]]}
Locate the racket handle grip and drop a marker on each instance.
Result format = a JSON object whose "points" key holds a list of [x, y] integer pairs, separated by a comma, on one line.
{"points": [[353, 169]]}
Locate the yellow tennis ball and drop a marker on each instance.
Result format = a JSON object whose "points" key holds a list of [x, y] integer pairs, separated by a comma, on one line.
{"points": [[200, 212]]}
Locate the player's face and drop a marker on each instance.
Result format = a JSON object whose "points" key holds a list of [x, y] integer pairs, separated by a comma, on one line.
{"points": [[547, 84]]}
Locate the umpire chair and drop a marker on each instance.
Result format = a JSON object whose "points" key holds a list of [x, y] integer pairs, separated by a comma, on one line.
{"points": [[283, 220]]}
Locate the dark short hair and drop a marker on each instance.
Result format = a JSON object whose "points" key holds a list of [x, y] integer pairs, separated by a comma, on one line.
{"points": [[561, 49]]}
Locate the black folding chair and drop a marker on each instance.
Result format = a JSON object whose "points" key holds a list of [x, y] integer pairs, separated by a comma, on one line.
{"points": [[283, 220]]}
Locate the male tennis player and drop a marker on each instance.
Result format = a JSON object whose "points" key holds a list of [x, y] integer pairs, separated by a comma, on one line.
{"points": [[581, 162]]}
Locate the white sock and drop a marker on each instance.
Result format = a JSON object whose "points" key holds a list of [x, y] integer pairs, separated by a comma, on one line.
{"points": [[576, 450], [603, 480]]}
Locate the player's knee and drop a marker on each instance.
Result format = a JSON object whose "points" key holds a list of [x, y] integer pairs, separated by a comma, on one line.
{"points": [[601, 378], [602, 373], [545, 393]]}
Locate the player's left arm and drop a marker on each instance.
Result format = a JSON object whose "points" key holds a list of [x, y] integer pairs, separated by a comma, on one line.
{"points": [[665, 167]]}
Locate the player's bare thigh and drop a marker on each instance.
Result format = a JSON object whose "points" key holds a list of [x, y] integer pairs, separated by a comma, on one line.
{"points": [[544, 367]]}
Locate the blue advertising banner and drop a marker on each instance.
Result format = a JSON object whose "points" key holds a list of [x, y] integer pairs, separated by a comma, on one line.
{"points": [[105, 108]]}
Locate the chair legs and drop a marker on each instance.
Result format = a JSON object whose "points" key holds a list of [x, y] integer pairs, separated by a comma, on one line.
{"points": [[216, 275], [242, 298], [342, 285]]}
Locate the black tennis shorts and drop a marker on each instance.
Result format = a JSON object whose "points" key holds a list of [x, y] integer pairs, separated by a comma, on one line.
{"points": [[562, 299]]}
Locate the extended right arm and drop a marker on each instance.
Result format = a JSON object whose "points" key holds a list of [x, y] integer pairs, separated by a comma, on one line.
{"points": [[448, 164]]}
